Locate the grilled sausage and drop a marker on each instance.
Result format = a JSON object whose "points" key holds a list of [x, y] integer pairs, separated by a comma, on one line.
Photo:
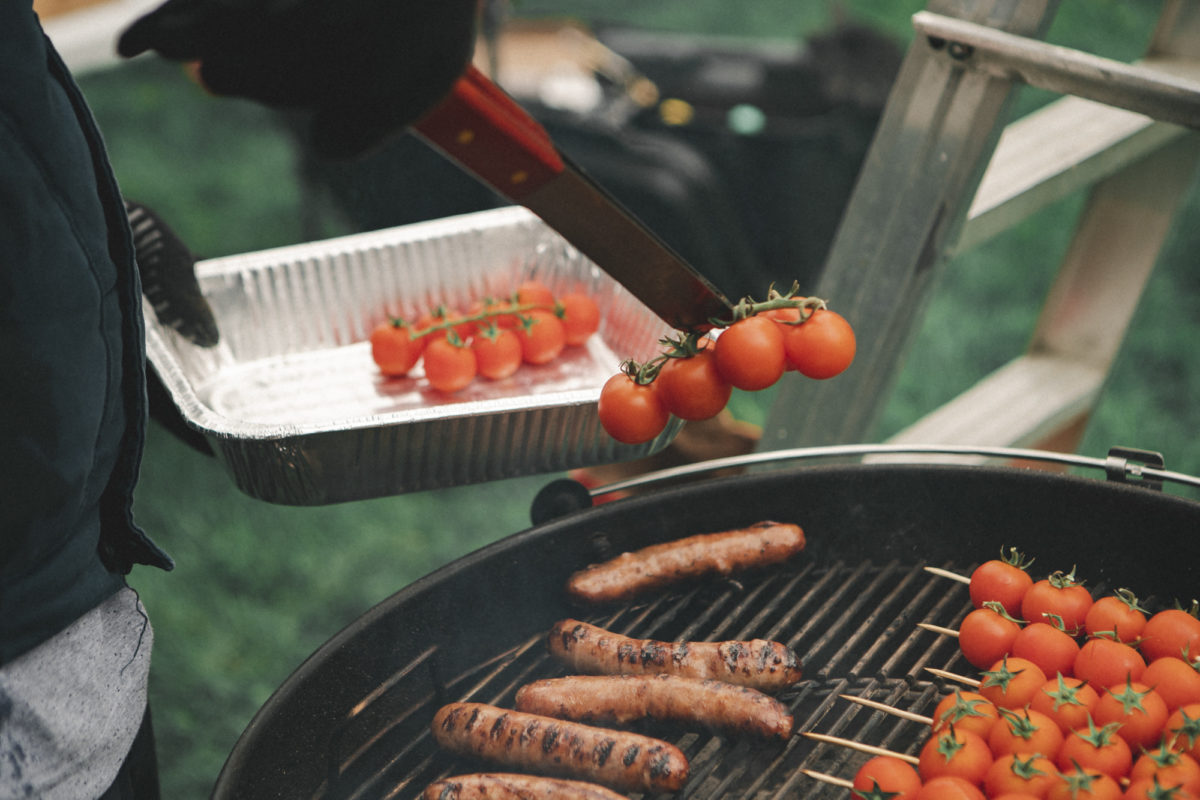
{"points": [[764, 665], [622, 699], [631, 574], [514, 786], [618, 759]]}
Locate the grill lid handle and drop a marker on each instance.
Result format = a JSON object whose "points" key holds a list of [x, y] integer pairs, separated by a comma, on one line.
{"points": [[1117, 466]]}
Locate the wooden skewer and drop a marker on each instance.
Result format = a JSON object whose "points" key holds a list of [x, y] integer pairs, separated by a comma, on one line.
{"points": [[941, 673], [862, 748], [895, 712], [945, 573], [937, 629], [821, 776]]}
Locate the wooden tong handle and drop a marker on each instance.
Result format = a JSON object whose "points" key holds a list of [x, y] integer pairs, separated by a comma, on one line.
{"points": [[490, 135]]}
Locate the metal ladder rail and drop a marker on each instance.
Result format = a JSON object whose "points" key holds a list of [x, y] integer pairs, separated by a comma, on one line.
{"points": [[944, 173]]}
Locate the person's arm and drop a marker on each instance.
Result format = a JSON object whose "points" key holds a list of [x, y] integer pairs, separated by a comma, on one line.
{"points": [[364, 68]]}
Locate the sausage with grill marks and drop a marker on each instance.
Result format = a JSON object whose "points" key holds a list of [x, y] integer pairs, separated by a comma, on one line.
{"points": [[634, 573], [760, 664], [623, 699], [515, 786], [517, 740]]}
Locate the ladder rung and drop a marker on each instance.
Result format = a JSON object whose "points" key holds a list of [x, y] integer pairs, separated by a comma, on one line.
{"points": [[1016, 406]]}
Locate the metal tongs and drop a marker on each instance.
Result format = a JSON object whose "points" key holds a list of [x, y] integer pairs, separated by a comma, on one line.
{"points": [[485, 131]]}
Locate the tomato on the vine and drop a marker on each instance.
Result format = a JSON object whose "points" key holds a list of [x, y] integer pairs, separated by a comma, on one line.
{"points": [[534, 292], [1025, 732], [692, 387], [449, 364], [986, 635], [886, 777], [497, 352], [1176, 680], [580, 317], [631, 412], [750, 353], [1003, 580], [1059, 595], [1048, 646], [1173, 632], [1155, 788], [1171, 767], [394, 349], [1084, 784], [1183, 730], [822, 346], [541, 335], [1118, 615]]}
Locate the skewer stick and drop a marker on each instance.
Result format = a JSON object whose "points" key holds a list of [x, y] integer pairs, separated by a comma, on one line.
{"points": [[862, 748], [937, 629], [895, 712], [821, 776], [945, 573], [941, 673]]}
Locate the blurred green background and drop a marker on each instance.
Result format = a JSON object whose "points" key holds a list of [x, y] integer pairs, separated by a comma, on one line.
{"points": [[259, 587]]}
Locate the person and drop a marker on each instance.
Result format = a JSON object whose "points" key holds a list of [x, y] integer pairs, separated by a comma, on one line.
{"points": [[75, 641]]}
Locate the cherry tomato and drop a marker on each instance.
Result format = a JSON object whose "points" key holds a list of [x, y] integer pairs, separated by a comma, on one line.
{"points": [[1060, 595], [955, 752], [1118, 615], [1095, 748], [1173, 632], [534, 292], [1176, 680], [1018, 773], [886, 776], [1002, 580], [1139, 710], [1170, 767], [629, 411], [966, 711], [1104, 662], [580, 317], [1012, 682], [986, 635], [1154, 788], [692, 387], [949, 787], [541, 335], [1046, 645], [750, 353], [1025, 732], [497, 352], [1183, 730], [822, 346], [449, 364], [1067, 700], [443, 316], [1084, 784], [394, 350]]}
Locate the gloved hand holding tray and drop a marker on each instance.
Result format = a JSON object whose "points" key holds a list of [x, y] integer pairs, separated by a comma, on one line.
{"points": [[293, 405]]}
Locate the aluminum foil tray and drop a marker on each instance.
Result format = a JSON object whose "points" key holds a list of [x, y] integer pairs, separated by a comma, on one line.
{"points": [[293, 405]]}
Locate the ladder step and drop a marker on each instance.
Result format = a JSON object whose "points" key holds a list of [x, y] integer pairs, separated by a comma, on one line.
{"points": [[1018, 405]]}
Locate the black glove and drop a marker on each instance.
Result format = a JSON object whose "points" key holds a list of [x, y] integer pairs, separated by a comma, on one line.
{"points": [[365, 68], [168, 275]]}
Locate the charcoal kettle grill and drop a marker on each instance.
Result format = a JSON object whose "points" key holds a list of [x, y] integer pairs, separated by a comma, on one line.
{"points": [[353, 720]]}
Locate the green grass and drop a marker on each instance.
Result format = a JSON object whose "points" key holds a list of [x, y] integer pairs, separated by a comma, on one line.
{"points": [[259, 587]]}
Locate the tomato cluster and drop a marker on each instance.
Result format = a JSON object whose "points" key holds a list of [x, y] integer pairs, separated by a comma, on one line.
{"points": [[490, 339], [1079, 698], [694, 377]]}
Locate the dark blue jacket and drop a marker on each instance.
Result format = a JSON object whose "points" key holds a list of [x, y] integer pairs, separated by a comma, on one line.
{"points": [[72, 353]]}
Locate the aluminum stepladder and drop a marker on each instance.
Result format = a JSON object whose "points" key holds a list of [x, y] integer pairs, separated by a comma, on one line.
{"points": [[945, 173]]}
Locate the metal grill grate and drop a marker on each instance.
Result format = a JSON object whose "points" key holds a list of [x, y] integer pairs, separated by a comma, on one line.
{"points": [[854, 626]]}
